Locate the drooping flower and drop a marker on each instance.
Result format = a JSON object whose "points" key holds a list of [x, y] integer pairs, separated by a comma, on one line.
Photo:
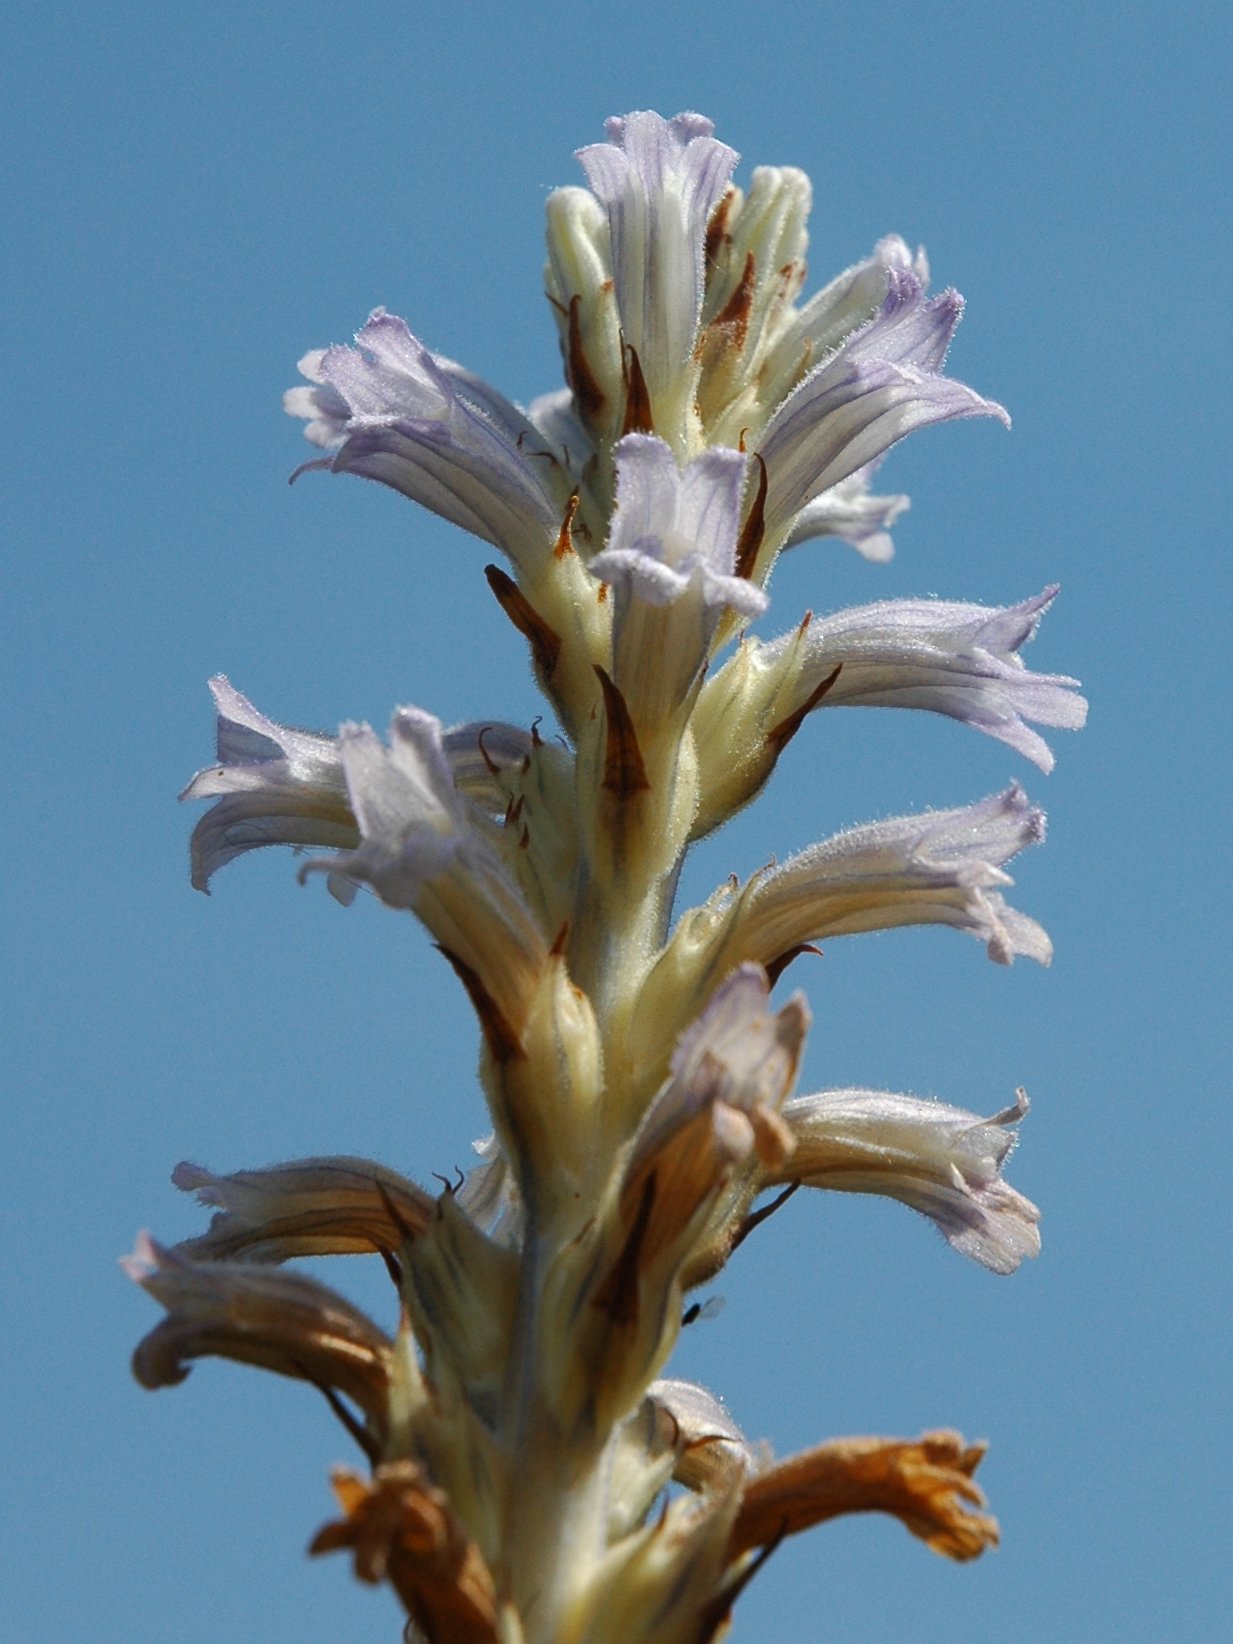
{"points": [[280, 786], [261, 1316], [274, 785], [926, 1483], [306, 1207], [940, 1160], [959, 660], [392, 411], [954, 659], [938, 868], [880, 384], [421, 849], [402, 1528]]}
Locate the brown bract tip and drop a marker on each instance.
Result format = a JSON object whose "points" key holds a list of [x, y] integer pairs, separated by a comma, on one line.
{"points": [[780, 735], [582, 380], [717, 227], [624, 771], [617, 1295], [543, 639], [499, 1035], [565, 536], [638, 418], [734, 315], [778, 965], [754, 528]]}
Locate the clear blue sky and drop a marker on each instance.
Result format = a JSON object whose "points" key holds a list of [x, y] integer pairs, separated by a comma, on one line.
{"points": [[197, 195]]}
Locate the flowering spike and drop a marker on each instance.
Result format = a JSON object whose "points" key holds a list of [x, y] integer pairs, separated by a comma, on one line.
{"points": [[521, 1431]]}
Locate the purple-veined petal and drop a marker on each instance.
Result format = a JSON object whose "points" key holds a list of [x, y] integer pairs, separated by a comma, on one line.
{"points": [[426, 427], [556, 417], [852, 299], [940, 1160], [410, 815], [675, 530], [659, 180], [671, 559], [954, 659], [941, 867], [279, 786], [420, 849], [757, 344], [881, 384], [852, 513], [274, 786], [254, 751]]}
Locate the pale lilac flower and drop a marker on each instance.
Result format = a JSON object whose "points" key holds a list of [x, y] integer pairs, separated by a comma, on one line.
{"points": [[882, 383], [953, 659], [411, 818], [936, 868], [850, 512], [395, 412], [940, 1160], [939, 868], [275, 786], [658, 181], [671, 560], [280, 786], [845, 306], [421, 849], [756, 343]]}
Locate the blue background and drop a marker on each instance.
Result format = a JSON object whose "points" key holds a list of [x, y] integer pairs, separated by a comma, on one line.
{"points": [[197, 196]]}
